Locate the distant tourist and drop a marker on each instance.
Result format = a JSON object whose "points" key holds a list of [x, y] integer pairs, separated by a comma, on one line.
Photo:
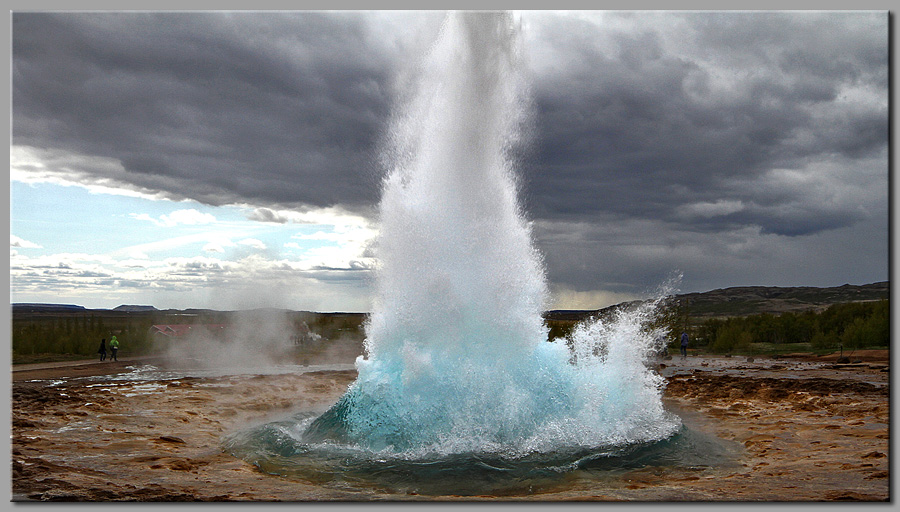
{"points": [[114, 347], [684, 344], [102, 350]]}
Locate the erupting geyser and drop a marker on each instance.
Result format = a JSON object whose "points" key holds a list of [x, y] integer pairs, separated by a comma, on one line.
{"points": [[457, 358], [457, 361]]}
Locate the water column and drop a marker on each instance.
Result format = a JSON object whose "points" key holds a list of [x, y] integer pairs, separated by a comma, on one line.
{"points": [[456, 354]]}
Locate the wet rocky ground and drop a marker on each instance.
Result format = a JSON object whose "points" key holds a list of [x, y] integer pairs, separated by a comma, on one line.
{"points": [[800, 429]]}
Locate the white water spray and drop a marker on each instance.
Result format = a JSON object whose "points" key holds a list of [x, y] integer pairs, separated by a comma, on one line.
{"points": [[457, 358]]}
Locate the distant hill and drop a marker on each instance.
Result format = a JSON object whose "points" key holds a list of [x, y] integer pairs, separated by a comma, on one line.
{"points": [[736, 301], [29, 307], [126, 307], [753, 300]]}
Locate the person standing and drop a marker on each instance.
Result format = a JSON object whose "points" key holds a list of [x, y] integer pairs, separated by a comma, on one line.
{"points": [[684, 344], [114, 347], [102, 350]]}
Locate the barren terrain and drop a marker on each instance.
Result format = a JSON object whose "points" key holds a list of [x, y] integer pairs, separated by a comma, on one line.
{"points": [[805, 428]]}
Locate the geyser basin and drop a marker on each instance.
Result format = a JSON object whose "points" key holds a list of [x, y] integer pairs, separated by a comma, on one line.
{"points": [[278, 448], [458, 372]]}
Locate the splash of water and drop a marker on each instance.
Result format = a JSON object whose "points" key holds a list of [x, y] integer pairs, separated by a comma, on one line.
{"points": [[456, 354]]}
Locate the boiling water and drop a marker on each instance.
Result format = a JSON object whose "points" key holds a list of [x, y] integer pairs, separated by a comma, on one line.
{"points": [[279, 448], [458, 372]]}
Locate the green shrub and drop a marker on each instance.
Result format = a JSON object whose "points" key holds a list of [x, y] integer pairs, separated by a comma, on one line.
{"points": [[821, 340], [855, 325], [731, 337], [866, 332]]}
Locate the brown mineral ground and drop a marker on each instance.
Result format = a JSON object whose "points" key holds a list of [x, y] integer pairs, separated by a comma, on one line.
{"points": [[803, 429]]}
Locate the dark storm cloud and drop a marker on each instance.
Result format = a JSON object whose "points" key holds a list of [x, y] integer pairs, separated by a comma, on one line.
{"points": [[267, 215], [652, 112], [638, 114], [275, 108], [740, 147]]}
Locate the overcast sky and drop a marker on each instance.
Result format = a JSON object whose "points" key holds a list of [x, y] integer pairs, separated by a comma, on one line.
{"points": [[231, 160]]}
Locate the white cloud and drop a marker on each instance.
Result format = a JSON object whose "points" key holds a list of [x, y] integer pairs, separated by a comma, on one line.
{"points": [[15, 241], [321, 235], [188, 217], [349, 252], [211, 239], [254, 243], [709, 209], [143, 216], [332, 216], [104, 281], [97, 174], [63, 260], [342, 234], [199, 263], [137, 263]]}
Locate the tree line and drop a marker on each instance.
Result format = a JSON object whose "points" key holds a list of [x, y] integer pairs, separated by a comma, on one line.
{"points": [[74, 334], [849, 325]]}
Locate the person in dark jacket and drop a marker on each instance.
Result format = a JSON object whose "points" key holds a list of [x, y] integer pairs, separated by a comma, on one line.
{"points": [[102, 350], [684, 344]]}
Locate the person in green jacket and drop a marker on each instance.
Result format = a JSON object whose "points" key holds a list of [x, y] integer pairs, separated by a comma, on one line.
{"points": [[113, 347]]}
